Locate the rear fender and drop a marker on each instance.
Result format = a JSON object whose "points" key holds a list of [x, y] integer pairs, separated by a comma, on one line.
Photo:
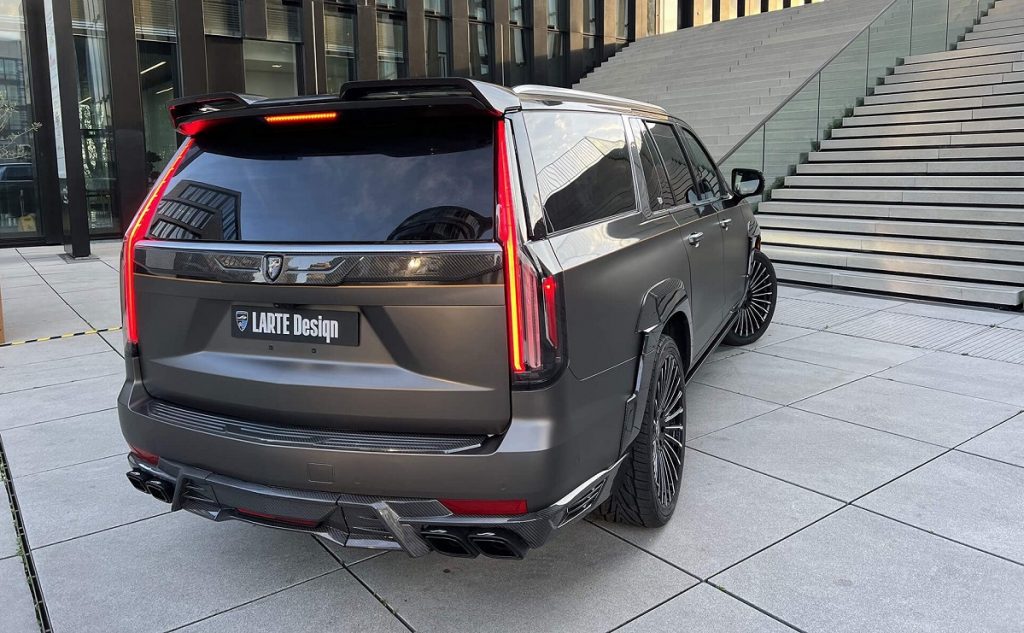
{"points": [[662, 302]]}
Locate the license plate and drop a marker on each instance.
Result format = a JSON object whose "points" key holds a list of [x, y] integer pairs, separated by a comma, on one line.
{"points": [[299, 326]]}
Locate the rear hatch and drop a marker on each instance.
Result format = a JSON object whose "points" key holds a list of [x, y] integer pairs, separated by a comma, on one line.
{"points": [[336, 273]]}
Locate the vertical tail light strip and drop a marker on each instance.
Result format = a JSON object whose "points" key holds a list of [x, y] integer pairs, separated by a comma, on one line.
{"points": [[135, 233], [508, 235]]}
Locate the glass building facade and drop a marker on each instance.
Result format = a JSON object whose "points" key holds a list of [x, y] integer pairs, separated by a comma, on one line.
{"points": [[124, 60]]}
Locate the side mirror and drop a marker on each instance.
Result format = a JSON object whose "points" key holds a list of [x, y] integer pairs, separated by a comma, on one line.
{"points": [[747, 182]]}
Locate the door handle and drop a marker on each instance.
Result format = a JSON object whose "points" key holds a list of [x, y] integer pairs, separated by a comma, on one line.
{"points": [[725, 223], [695, 238]]}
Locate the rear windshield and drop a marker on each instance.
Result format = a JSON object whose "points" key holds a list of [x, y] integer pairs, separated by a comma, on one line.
{"points": [[350, 181]]}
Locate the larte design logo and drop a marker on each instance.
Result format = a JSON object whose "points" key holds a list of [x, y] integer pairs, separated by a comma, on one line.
{"points": [[298, 325], [242, 320]]}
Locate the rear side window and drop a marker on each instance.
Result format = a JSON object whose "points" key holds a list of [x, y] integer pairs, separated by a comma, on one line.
{"points": [[679, 176], [658, 190], [703, 167], [583, 167], [350, 181]]}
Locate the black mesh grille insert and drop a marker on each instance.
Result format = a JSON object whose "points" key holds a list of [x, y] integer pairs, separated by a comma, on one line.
{"points": [[314, 438]]}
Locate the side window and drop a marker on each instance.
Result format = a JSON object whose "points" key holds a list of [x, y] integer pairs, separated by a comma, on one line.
{"points": [[659, 192], [583, 167], [679, 176], [704, 168]]}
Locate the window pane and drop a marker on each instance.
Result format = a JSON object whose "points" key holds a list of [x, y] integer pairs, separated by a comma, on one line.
{"points": [[403, 182], [480, 51], [339, 70], [659, 194], [438, 47], [437, 7], [679, 176], [519, 62], [270, 69], [480, 10], [284, 21], [158, 80], [222, 17], [19, 202], [583, 166], [391, 62], [590, 16], [155, 20], [558, 15], [340, 42], [706, 172], [556, 58], [392, 5], [519, 12], [589, 53], [621, 19]]}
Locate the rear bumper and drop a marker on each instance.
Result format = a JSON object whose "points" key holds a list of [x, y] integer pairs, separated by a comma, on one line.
{"points": [[416, 526]]}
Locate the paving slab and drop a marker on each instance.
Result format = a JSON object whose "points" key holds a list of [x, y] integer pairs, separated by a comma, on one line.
{"points": [[909, 329], [350, 555], [815, 314], [829, 456], [59, 443], [17, 611], [970, 499], [847, 353], [584, 579], [978, 377], [64, 370], [855, 571], [771, 378], [855, 300], [196, 568], [792, 292], [59, 401], [776, 333], [30, 353], [69, 502], [710, 409], [725, 351], [335, 602], [726, 513], [995, 343], [924, 414], [115, 340], [100, 307], [704, 608], [1016, 323], [1004, 443], [954, 313], [8, 535]]}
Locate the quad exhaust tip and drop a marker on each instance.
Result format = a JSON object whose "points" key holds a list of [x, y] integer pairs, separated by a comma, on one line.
{"points": [[157, 488], [461, 543]]}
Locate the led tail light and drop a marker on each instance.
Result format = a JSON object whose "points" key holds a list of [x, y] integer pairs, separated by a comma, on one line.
{"points": [[300, 117], [145, 456], [532, 300], [136, 232]]}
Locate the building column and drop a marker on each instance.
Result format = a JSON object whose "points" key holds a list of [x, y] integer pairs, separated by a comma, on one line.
{"points": [[460, 38], [702, 11], [753, 7], [254, 19], [500, 18], [366, 40], [191, 48], [728, 10], [774, 5], [45, 160], [415, 38], [126, 110], [314, 62]]}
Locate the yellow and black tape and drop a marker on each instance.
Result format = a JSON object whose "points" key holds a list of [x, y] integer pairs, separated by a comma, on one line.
{"points": [[53, 338]]}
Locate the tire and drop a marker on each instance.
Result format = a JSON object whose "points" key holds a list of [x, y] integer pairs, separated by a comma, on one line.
{"points": [[646, 488], [758, 307]]}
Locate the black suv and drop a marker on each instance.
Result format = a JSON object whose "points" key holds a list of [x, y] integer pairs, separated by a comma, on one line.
{"points": [[430, 314]]}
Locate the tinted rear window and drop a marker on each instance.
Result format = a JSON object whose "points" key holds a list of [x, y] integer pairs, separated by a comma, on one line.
{"points": [[350, 181]]}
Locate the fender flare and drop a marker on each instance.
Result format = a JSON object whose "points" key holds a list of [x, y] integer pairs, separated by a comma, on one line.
{"points": [[661, 302]]}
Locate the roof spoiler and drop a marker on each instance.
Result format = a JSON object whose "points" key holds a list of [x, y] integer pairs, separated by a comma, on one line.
{"points": [[190, 115]]}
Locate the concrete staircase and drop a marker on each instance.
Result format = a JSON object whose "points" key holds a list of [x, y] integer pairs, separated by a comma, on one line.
{"points": [[921, 191], [725, 77]]}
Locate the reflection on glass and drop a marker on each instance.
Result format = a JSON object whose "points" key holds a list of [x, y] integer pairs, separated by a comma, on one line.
{"points": [[621, 19], [391, 61], [284, 21], [270, 68], [929, 20], [791, 134], [556, 58], [222, 17], [94, 115], [155, 20], [589, 53], [558, 15], [438, 38], [519, 12], [340, 42], [842, 84], [890, 39], [19, 206], [480, 10], [437, 7], [590, 17], [583, 168], [158, 80], [480, 51], [519, 62]]}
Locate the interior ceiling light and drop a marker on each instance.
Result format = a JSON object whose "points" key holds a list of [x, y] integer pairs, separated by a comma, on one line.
{"points": [[153, 67]]}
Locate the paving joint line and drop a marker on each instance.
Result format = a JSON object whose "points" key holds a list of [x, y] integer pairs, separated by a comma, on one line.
{"points": [[384, 603], [24, 550], [43, 339]]}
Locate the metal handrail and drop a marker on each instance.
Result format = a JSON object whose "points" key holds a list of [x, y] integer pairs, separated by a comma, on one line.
{"points": [[757, 128]]}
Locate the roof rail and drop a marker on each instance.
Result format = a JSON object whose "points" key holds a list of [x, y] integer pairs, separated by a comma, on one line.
{"points": [[581, 96], [491, 96]]}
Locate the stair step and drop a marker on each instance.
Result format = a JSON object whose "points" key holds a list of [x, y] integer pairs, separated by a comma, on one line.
{"points": [[952, 127], [915, 167], [909, 182], [900, 245], [941, 104], [940, 153], [965, 53], [978, 114], [946, 93], [987, 294], [910, 196], [892, 88], [903, 228], [951, 73], [977, 215], [935, 140]]}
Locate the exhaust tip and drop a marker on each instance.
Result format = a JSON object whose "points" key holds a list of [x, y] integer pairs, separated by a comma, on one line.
{"points": [[449, 543], [137, 480], [499, 544], [160, 490]]}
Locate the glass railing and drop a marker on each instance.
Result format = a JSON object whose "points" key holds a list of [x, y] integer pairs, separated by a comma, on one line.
{"points": [[906, 27]]}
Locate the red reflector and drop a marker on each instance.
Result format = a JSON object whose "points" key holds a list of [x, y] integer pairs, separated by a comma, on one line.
{"points": [[136, 232], [302, 117], [146, 456], [277, 518], [550, 287], [479, 507]]}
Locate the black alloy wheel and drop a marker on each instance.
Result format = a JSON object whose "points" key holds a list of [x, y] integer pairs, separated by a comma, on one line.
{"points": [[758, 307]]}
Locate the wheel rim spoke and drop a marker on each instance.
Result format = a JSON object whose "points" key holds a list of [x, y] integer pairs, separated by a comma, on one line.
{"points": [[753, 314], [670, 430]]}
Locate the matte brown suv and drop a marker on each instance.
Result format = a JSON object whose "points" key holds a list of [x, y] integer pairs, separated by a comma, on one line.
{"points": [[430, 314]]}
